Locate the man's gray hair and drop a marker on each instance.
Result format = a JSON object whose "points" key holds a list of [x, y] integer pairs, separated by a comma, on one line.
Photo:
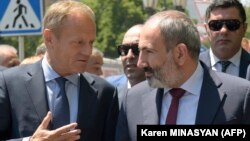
{"points": [[6, 48]]}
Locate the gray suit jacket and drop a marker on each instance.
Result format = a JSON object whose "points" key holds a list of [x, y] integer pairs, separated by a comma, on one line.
{"points": [[224, 99], [23, 104], [2, 68], [244, 62]]}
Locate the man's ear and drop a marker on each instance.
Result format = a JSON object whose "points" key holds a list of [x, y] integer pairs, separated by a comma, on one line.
{"points": [[180, 54], [47, 35]]}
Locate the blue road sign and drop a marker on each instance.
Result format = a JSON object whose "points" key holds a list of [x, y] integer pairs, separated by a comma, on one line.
{"points": [[21, 17]]}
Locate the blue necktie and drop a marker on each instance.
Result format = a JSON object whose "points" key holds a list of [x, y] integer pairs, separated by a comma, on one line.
{"points": [[61, 113]]}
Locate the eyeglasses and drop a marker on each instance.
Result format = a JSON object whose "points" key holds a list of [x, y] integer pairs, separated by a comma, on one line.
{"points": [[123, 49], [216, 25]]}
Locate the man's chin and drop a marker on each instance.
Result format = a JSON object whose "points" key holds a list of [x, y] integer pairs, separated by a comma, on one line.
{"points": [[131, 74], [154, 83]]}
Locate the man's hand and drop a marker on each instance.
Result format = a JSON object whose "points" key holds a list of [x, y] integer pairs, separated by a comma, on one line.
{"points": [[65, 133]]}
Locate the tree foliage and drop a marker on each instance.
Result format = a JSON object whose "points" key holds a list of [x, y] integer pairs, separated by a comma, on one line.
{"points": [[113, 19], [248, 21]]}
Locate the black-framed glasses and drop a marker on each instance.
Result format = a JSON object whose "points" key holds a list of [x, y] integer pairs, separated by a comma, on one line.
{"points": [[123, 49], [216, 25]]}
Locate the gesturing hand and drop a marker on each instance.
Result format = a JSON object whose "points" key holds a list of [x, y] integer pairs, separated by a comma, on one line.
{"points": [[64, 133]]}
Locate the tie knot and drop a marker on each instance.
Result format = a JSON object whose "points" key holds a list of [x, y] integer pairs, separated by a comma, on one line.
{"points": [[61, 81], [224, 65], [177, 92]]}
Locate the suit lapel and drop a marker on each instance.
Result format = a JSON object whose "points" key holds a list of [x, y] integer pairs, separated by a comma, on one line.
{"points": [[159, 96], [151, 103], [35, 85], [211, 99], [122, 90], [87, 102], [244, 62]]}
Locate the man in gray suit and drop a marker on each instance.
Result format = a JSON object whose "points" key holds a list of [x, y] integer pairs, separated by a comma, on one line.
{"points": [[169, 53], [226, 26], [29, 94]]}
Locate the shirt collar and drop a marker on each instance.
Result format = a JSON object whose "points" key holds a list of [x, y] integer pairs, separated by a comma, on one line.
{"points": [[129, 85], [50, 74], [235, 60], [194, 83]]}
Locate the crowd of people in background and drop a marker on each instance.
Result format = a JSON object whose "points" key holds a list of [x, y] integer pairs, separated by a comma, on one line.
{"points": [[61, 93], [95, 62]]}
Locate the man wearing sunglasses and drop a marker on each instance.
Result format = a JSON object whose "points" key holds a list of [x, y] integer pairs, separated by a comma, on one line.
{"points": [[225, 25], [129, 53]]}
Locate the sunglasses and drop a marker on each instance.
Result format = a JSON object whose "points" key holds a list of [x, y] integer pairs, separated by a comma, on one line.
{"points": [[123, 49], [216, 25]]}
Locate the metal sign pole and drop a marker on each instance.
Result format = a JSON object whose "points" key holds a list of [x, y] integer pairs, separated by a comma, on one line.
{"points": [[21, 47]]}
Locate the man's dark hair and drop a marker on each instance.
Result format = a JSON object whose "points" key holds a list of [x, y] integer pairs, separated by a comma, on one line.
{"points": [[226, 4]]}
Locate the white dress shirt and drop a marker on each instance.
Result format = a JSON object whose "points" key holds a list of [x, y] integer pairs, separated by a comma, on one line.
{"points": [[233, 68], [188, 103]]}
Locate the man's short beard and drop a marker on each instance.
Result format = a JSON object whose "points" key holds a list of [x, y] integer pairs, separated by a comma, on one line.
{"points": [[155, 83], [166, 76]]}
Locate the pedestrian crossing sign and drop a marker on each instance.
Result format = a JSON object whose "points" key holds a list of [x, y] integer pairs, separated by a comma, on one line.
{"points": [[21, 17]]}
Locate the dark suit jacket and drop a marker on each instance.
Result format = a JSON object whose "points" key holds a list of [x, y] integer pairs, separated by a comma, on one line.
{"points": [[23, 104], [224, 99], [244, 62], [121, 83]]}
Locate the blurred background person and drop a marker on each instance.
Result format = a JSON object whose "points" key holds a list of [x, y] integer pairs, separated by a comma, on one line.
{"points": [[226, 26], [30, 60], [245, 44], [41, 50], [8, 56], [129, 53], [95, 62]]}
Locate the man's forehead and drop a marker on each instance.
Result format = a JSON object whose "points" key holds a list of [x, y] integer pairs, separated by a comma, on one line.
{"points": [[130, 39]]}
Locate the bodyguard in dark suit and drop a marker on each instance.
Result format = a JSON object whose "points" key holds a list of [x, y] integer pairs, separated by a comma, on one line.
{"points": [[179, 88], [226, 26], [30, 94]]}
